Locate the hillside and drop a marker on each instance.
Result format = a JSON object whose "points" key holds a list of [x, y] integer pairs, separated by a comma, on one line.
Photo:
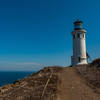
{"points": [[32, 87], [80, 82], [57, 83]]}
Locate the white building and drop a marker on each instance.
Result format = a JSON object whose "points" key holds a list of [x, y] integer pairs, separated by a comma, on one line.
{"points": [[79, 45]]}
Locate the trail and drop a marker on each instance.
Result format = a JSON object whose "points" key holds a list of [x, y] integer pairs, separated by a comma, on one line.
{"points": [[73, 87]]}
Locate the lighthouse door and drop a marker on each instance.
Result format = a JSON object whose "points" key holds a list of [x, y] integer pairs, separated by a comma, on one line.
{"points": [[79, 59]]}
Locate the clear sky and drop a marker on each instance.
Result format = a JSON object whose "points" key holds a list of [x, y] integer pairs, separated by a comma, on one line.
{"points": [[37, 33]]}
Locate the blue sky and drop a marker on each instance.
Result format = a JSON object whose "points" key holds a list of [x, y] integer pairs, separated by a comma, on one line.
{"points": [[37, 33]]}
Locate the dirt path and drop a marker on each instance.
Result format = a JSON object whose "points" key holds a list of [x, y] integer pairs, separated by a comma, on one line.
{"points": [[72, 87]]}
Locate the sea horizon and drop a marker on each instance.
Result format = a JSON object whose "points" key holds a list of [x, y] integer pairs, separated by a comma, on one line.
{"points": [[8, 77]]}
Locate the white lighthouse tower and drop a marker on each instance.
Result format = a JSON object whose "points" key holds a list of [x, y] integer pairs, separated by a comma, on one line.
{"points": [[79, 45]]}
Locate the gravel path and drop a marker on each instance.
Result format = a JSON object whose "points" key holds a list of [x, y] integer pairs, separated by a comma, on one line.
{"points": [[73, 87]]}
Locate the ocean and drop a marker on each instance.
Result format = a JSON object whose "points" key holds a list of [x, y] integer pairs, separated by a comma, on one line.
{"points": [[10, 77]]}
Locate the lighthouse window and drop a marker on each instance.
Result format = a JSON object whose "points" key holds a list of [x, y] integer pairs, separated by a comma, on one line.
{"points": [[78, 35], [73, 36]]}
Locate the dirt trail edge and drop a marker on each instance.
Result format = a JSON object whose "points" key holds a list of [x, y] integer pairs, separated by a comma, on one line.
{"points": [[73, 87]]}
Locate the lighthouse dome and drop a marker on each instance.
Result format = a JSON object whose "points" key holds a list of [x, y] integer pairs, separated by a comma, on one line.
{"points": [[78, 21]]}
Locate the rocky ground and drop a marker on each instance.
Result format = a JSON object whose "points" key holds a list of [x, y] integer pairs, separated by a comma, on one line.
{"points": [[57, 83]]}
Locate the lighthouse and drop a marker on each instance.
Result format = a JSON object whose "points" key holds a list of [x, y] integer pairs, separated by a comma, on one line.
{"points": [[79, 44]]}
